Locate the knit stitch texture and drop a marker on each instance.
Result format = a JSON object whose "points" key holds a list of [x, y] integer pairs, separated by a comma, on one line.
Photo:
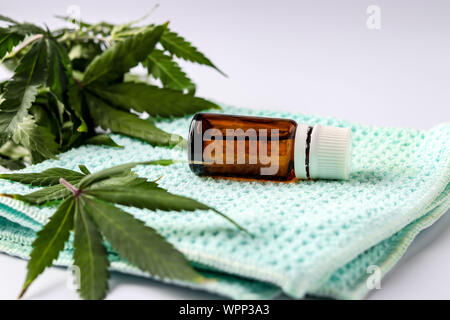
{"points": [[310, 237]]}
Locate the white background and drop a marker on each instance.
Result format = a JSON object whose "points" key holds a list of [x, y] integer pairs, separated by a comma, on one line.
{"points": [[314, 57]]}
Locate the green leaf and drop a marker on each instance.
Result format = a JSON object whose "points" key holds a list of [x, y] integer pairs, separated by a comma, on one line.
{"points": [[72, 138], [59, 69], [129, 124], [119, 170], [90, 256], [22, 89], [183, 49], [102, 139], [8, 40], [14, 151], [2, 86], [90, 203], [83, 53], [121, 57], [35, 138], [14, 34], [47, 177], [26, 29], [44, 115], [128, 179], [138, 243], [50, 241], [83, 169], [161, 162], [162, 67], [7, 19], [11, 164], [153, 100], [153, 199], [48, 194], [75, 95]]}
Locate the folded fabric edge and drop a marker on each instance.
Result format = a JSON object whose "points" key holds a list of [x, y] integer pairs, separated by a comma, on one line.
{"points": [[387, 262], [300, 288], [269, 282], [435, 190], [18, 244], [262, 290], [23, 214]]}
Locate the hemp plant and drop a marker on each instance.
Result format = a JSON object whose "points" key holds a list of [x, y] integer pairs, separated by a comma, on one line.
{"points": [[86, 206], [69, 82]]}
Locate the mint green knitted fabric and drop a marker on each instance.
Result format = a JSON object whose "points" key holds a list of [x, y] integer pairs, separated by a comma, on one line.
{"points": [[310, 237]]}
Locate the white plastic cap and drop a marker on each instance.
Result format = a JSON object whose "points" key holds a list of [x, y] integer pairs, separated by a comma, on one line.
{"points": [[330, 152]]}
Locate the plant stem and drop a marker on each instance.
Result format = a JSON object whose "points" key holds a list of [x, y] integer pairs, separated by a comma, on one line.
{"points": [[78, 83], [69, 186], [25, 44]]}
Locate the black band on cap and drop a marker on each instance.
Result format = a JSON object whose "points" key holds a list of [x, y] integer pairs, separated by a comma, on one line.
{"points": [[308, 146]]}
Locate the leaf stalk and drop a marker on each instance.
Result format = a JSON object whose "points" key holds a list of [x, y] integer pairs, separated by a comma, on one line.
{"points": [[24, 45], [70, 187]]}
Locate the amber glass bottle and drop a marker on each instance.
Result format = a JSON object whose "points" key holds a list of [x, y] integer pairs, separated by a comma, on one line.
{"points": [[266, 148]]}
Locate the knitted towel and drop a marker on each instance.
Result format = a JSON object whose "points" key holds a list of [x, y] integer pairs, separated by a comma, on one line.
{"points": [[310, 237]]}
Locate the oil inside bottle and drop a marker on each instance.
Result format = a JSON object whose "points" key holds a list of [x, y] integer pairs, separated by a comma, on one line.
{"points": [[242, 146]]}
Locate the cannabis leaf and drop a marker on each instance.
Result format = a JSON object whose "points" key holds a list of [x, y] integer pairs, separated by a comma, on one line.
{"points": [[70, 81], [59, 68], [183, 49], [118, 171], [43, 196], [12, 156], [8, 40], [140, 245], [35, 138], [75, 97], [127, 123], [49, 177], [161, 66], [90, 255], [11, 163], [50, 242], [153, 100], [14, 34], [7, 19], [89, 210], [22, 89], [102, 139], [117, 60]]}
